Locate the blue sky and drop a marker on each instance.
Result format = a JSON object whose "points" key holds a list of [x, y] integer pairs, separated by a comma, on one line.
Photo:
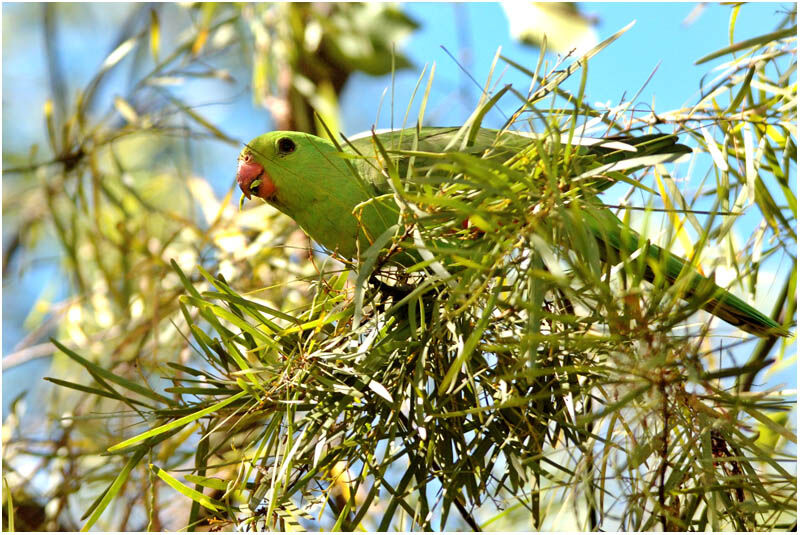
{"points": [[659, 35]]}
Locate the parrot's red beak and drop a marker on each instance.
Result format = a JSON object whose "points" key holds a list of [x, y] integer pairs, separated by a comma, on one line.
{"points": [[252, 178]]}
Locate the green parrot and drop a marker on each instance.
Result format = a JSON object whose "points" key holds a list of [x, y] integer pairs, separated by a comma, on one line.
{"points": [[327, 192]]}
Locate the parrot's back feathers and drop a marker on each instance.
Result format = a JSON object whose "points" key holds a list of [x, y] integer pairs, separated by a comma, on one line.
{"points": [[441, 139]]}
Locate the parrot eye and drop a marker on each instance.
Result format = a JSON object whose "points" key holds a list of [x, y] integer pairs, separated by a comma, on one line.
{"points": [[286, 145]]}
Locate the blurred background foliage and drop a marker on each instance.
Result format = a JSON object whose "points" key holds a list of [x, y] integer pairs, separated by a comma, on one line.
{"points": [[177, 303]]}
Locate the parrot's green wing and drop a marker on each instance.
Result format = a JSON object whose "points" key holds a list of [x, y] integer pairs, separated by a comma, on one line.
{"points": [[620, 153], [343, 203]]}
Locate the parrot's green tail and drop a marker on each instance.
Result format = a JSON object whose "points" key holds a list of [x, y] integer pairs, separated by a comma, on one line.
{"points": [[730, 308], [715, 300]]}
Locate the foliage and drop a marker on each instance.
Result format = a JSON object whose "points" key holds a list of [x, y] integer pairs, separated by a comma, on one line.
{"points": [[301, 67], [509, 379]]}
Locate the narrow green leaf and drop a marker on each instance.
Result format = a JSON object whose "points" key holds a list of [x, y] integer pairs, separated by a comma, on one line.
{"points": [[770, 424], [114, 378], [202, 121], [742, 91], [113, 489], [96, 392], [469, 345], [208, 482], [118, 54], [747, 43], [155, 35], [195, 496], [480, 113], [9, 506], [178, 423]]}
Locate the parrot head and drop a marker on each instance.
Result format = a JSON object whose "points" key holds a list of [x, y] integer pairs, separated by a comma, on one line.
{"points": [[306, 178], [272, 164]]}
